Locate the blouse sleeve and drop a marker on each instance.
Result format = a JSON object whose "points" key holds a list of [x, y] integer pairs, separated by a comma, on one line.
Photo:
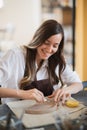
{"points": [[6, 66], [11, 68], [69, 76]]}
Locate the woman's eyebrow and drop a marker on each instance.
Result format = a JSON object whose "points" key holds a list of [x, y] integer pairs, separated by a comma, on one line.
{"points": [[50, 41]]}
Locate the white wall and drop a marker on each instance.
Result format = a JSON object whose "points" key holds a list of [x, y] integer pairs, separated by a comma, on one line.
{"points": [[23, 17]]}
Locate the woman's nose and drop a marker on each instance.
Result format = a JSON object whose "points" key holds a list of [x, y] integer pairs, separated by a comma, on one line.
{"points": [[50, 49]]}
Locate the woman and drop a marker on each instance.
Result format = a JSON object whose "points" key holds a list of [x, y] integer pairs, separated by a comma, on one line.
{"points": [[39, 69]]}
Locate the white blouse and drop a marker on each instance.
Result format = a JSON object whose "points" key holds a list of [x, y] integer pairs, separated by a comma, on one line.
{"points": [[12, 67]]}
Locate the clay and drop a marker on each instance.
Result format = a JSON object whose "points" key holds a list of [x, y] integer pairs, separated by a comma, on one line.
{"points": [[42, 108]]}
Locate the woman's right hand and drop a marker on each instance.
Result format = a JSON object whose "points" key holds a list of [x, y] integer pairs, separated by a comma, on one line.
{"points": [[33, 94]]}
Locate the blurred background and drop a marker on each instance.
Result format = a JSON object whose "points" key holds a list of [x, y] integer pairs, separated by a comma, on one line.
{"points": [[19, 19]]}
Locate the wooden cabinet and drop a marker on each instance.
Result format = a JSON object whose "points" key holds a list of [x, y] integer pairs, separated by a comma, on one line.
{"points": [[67, 16]]}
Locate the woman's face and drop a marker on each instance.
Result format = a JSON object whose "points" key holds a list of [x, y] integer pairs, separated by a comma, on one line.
{"points": [[49, 47]]}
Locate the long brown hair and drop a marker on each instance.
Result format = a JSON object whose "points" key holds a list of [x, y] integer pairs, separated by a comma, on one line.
{"points": [[46, 30]]}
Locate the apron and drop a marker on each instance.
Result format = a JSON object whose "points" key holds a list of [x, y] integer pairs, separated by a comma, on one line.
{"points": [[42, 85]]}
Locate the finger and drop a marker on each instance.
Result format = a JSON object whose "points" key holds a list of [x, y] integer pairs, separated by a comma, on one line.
{"points": [[68, 96], [56, 98], [63, 98], [41, 98], [38, 97], [52, 95], [39, 93], [61, 95]]}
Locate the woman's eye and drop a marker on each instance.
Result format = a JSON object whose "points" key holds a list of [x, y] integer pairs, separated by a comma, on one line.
{"points": [[55, 46], [46, 43]]}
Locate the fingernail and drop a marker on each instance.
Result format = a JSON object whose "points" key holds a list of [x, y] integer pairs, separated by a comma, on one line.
{"points": [[45, 99]]}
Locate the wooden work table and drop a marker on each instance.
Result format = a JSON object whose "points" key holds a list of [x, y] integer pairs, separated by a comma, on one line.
{"points": [[45, 120]]}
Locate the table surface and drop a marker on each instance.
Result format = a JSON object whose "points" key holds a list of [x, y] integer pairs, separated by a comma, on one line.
{"points": [[5, 110]]}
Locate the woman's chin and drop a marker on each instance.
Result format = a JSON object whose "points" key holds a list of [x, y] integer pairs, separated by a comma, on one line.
{"points": [[45, 58]]}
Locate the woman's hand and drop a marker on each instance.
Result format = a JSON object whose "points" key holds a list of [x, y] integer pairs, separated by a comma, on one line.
{"points": [[65, 92], [61, 94], [33, 94]]}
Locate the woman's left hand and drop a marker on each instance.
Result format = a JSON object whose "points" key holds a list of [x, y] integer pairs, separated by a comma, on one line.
{"points": [[65, 92], [61, 94]]}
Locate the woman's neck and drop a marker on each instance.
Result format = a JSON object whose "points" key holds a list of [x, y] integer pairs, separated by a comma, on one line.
{"points": [[39, 62]]}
